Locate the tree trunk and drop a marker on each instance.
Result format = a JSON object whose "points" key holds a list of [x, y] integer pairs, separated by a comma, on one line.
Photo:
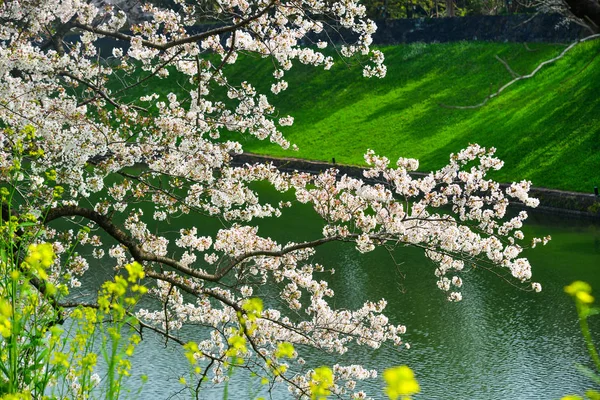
{"points": [[449, 8]]}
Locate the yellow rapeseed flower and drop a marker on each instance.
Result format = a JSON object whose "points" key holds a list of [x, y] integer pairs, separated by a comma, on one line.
{"points": [[400, 382], [5, 308], [321, 383], [285, 349], [238, 345], [40, 256], [581, 291], [135, 270], [5, 327], [253, 308]]}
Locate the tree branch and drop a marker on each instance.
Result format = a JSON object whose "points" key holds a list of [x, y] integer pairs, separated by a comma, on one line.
{"points": [[141, 255], [189, 39], [135, 249]]}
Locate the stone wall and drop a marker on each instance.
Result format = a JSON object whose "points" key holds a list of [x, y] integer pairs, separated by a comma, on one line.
{"points": [[501, 28]]}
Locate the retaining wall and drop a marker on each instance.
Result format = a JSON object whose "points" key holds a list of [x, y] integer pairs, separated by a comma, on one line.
{"points": [[500, 28]]}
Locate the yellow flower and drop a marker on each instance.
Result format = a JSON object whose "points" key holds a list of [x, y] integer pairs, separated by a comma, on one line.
{"points": [[17, 396], [280, 370], [5, 327], [129, 350], [400, 382], [238, 345], [581, 291], [253, 308], [285, 349], [5, 308], [584, 297], [60, 359], [58, 192], [135, 270], [51, 175], [40, 256], [29, 131], [321, 383], [191, 348], [89, 361], [578, 286]]}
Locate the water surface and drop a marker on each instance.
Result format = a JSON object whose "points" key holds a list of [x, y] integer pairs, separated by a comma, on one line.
{"points": [[500, 342]]}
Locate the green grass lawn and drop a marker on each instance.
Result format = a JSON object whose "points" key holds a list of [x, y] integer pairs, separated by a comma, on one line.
{"points": [[547, 129]]}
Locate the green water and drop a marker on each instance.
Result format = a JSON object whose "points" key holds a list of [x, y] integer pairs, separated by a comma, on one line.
{"points": [[498, 343]]}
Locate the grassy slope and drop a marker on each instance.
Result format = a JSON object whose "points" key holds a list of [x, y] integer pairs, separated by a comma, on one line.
{"points": [[547, 129]]}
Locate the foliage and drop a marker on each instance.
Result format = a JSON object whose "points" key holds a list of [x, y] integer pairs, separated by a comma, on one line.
{"points": [[82, 148], [394, 9]]}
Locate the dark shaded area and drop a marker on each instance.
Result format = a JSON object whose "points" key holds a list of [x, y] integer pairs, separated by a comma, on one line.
{"points": [[588, 11], [497, 28]]}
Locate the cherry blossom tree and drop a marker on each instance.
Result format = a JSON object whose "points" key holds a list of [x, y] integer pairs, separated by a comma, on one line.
{"points": [[80, 141]]}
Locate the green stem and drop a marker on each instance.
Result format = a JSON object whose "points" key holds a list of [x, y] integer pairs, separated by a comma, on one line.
{"points": [[226, 388], [111, 371], [585, 330], [14, 353]]}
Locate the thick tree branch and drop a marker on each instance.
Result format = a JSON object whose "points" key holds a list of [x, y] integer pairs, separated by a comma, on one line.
{"points": [[135, 249], [141, 255], [275, 253]]}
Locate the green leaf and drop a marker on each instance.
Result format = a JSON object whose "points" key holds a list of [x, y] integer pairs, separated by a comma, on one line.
{"points": [[39, 233], [42, 356], [5, 372], [593, 311], [25, 224]]}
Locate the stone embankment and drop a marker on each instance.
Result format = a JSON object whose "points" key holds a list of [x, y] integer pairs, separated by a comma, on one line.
{"points": [[582, 205]]}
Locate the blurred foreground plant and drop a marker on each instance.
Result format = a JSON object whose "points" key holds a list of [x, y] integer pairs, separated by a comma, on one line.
{"points": [[47, 352], [582, 295], [44, 355]]}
